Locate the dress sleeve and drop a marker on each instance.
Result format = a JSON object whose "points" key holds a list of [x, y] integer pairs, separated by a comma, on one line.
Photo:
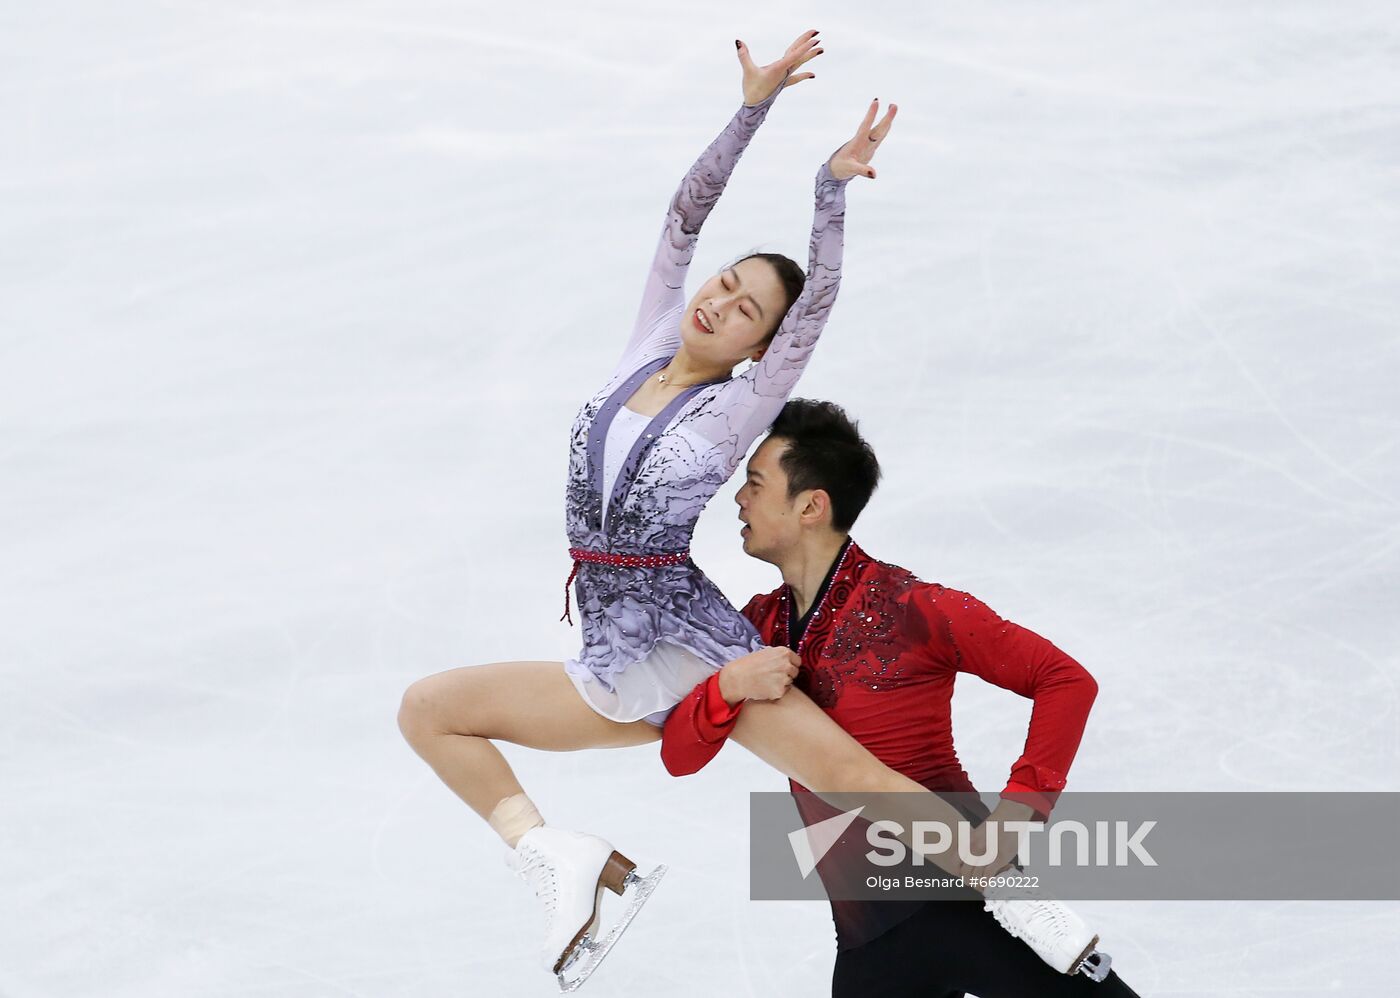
{"points": [[697, 729], [1018, 659], [752, 400], [697, 194]]}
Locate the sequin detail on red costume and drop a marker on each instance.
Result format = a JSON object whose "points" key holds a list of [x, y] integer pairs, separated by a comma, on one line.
{"points": [[858, 633]]}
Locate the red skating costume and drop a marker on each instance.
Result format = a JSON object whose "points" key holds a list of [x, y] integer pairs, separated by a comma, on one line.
{"points": [[880, 651]]}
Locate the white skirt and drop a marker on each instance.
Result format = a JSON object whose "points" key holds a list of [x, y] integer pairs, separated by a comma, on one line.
{"points": [[649, 688]]}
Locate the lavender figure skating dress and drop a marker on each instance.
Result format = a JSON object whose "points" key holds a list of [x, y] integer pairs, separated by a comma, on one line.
{"points": [[651, 633]]}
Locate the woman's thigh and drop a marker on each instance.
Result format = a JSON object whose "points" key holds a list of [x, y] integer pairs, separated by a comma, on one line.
{"points": [[798, 738], [534, 704]]}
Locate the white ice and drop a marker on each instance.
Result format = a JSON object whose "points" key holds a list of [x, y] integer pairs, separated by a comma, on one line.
{"points": [[297, 301]]}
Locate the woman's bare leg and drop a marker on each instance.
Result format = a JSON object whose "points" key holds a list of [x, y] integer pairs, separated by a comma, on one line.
{"points": [[449, 717], [797, 738]]}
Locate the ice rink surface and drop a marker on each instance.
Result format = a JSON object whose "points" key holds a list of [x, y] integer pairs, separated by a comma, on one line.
{"points": [[297, 302]]}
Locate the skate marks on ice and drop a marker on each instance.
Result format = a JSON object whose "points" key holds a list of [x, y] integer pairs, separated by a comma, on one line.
{"points": [[253, 258], [588, 954]]}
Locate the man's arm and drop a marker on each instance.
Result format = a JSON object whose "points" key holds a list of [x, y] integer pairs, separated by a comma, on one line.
{"points": [[700, 724], [1018, 659], [697, 729]]}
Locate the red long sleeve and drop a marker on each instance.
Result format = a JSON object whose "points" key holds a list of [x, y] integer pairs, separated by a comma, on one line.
{"points": [[1018, 659], [697, 729]]}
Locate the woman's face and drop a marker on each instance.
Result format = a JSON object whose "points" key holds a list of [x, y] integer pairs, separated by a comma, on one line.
{"points": [[733, 312]]}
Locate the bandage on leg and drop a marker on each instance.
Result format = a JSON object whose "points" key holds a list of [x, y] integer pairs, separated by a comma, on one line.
{"points": [[513, 816]]}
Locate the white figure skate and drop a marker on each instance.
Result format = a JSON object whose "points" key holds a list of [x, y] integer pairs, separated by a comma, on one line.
{"points": [[568, 872], [1057, 935]]}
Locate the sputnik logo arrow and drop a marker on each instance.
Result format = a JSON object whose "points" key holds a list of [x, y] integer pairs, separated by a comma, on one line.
{"points": [[810, 844]]}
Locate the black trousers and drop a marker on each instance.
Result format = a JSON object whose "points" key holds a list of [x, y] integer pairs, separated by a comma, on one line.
{"points": [[951, 947]]}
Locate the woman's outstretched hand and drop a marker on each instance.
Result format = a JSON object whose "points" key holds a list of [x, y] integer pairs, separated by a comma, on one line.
{"points": [[854, 157], [760, 81]]}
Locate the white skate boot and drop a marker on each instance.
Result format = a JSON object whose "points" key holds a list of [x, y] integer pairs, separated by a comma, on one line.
{"points": [[568, 872], [1058, 935]]}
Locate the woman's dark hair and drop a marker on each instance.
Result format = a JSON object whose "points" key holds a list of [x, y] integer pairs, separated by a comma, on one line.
{"points": [[826, 451], [792, 278]]}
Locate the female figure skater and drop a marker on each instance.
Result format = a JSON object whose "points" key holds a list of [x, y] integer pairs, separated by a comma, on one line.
{"points": [[647, 452]]}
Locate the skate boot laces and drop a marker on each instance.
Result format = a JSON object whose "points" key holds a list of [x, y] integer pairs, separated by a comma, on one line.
{"points": [[536, 870], [562, 867], [1057, 934]]}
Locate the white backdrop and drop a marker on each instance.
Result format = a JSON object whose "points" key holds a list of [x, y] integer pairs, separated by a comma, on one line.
{"points": [[297, 302]]}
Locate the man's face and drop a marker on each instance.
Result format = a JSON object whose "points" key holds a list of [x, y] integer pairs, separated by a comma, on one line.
{"points": [[771, 519]]}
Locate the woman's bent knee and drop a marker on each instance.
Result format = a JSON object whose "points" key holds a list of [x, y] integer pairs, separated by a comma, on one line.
{"points": [[418, 711]]}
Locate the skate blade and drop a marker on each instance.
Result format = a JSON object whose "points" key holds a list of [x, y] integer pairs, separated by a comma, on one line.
{"points": [[585, 957], [1096, 965], [1077, 964]]}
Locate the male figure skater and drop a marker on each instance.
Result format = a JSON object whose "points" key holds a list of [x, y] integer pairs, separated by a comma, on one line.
{"points": [[878, 651]]}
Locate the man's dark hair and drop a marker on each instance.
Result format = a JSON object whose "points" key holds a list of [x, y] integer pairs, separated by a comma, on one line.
{"points": [[826, 451]]}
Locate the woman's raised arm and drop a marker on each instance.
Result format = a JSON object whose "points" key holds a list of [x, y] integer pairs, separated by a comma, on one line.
{"points": [[759, 393], [702, 186]]}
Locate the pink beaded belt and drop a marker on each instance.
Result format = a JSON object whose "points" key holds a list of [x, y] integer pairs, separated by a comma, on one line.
{"points": [[581, 555]]}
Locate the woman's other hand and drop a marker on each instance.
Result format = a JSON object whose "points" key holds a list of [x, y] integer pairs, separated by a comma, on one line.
{"points": [[854, 157], [760, 81]]}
